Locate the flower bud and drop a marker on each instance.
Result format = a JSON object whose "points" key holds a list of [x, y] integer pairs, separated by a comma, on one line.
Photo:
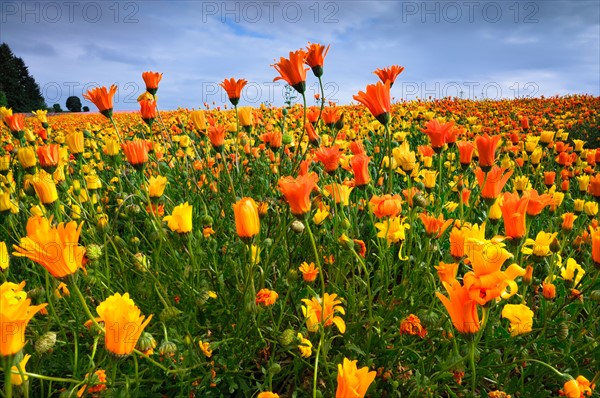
{"points": [[45, 343], [297, 226]]}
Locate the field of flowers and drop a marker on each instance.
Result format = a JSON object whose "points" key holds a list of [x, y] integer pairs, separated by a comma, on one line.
{"points": [[442, 248]]}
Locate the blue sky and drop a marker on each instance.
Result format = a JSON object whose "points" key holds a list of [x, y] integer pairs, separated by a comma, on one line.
{"points": [[492, 49]]}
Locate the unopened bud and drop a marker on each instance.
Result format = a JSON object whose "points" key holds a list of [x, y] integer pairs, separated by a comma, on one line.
{"points": [[45, 343], [297, 226]]}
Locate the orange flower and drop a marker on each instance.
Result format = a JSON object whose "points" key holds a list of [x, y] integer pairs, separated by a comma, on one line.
{"points": [[595, 234], [437, 133], [16, 122], [353, 382], [292, 70], [447, 272], [513, 214], [389, 74], [548, 290], [16, 313], [136, 152], [48, 157], [487, 282], [331, 116], [411, 325], [549, 178], [465, 151], [330, 157], [152, 79], [313, 137], [54, 248], [386, 205], [102, 98], [266, 297], [577, 388], [234, 89], [123, 322], [315, 57], [461, 307], [247, 223], [486, 146], [297, 192], [494, 180], [377, 100], [96, 383], [360, 168], [309, 272], [216, 135], [148, 111], [568, 220], [536, 202], [434, 227], [594, 186]]}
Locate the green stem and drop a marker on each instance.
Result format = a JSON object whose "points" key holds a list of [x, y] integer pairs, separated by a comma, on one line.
{"points": [[7, 372], [316, 374], [472, 346], [389, 154]]}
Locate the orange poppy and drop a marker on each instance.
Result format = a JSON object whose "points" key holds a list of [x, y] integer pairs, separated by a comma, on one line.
{"points": [[148, 111], [386, 205], [360, 168], [313, 137], [486, 146], [514, 214], [292, 70], [465, 152], [136, 152], [377, 100], [549, 178], [492, 182], [216, 135], [247, 223], [437, 133], [102, 98], [297, 192], [461, 307], [389, 74], [331, 116], [315, 57], [435, 227], [234, 89], [152, 79], [330, 157], [595, 234], [536, 202], [15, 122], [594, 186], [48, 157]]}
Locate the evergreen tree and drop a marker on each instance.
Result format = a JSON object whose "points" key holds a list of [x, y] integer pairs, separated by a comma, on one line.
{"points": [[22, 92]]}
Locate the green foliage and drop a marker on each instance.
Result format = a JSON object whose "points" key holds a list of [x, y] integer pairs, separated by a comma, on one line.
{"points": [[3, 100], [21, 91], [56, 108]]}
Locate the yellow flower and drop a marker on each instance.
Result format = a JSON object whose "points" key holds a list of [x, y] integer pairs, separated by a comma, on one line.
{"points": [[539, 247], [429, 178], [568, 272], [15, 377], [590, 208], [305, 346], [353, 382], [75, 142], [245, 115], [520, 317], [405, 157], [393, 229], [320, 216], [247, 222], [309, 272], [584, 182], [521, 183], [27, 157], [205, 348], [156, 186], [3, 256], [198, 119], [322, 311], [41, 115], [16, 313], [112, 147], [62, 290], [93, 182], [578, 205], [181, 219], [340, 193], [123, 323]]}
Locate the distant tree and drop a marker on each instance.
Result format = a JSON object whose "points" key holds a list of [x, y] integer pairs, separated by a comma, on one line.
{"points": [[3, 101], [56, 108], [73, 104], [86, 109], [22, 92]]}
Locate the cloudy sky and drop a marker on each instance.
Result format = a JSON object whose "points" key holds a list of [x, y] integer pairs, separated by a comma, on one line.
{"points": [[449, 48]]}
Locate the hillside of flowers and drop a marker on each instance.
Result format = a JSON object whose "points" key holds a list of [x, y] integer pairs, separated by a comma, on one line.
{"points": [[439, 248]]}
